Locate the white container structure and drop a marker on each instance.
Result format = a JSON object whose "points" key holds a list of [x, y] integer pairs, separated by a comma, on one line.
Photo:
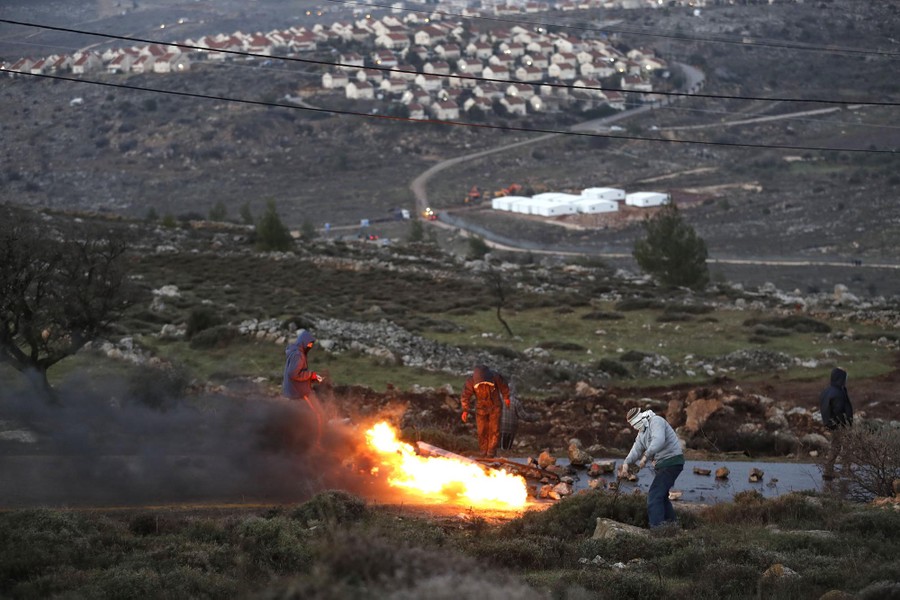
{"points": [[506, 202], [554, 204], [646, 199], [602, 193], [594, 206]]}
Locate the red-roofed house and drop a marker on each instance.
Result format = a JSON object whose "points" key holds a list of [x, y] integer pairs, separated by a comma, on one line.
{"points": [[86, 62], [172, 63], [360, 90], [445, 111]]}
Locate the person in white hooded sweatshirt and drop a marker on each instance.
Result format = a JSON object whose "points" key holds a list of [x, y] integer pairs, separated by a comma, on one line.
{"points": [[657, 442]]}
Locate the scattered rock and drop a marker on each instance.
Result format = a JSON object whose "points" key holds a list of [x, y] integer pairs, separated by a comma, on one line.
{"points": [[722, 473], [779, 571], [546, 459], [577, 455], [701, 471], [563, 489], [756, 475]]}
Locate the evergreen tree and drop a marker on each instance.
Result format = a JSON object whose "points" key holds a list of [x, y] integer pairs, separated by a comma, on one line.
{"points": [[478, 248], [672, 252], [218, 212], [416, 231], [271, 233], [246, 215], [308, 231]]}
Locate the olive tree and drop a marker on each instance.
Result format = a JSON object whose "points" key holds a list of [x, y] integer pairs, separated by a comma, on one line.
{"points": [[671, 251], [59, 288]]}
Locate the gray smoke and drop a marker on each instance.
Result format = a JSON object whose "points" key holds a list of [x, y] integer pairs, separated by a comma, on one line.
{"points": [[99, 446]]}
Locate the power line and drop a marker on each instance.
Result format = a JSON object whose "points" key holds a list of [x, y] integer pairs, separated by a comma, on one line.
{"points": [[680, 37], [750, 115], [454, 76], [447, 123]]}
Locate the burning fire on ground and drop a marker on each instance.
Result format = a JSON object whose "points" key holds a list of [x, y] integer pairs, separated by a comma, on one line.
{"points": [[443, 478]]}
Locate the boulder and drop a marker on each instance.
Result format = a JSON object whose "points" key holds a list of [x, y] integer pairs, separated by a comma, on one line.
{"points": [[698, 412], [701, 471], [815, 440], [756, 475], [722, 473], [608, 529]]}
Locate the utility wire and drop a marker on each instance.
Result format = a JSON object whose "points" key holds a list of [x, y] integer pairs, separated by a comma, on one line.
{"points": [[455, 76], [447, 123], [687, 38]]}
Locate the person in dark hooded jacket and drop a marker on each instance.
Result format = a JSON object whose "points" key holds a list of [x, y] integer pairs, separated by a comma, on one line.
{"points": [[298, 378], [837, 414], [490, 390]]}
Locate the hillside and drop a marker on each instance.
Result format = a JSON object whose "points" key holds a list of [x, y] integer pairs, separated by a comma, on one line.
{"points": [[127, 151], [401, 325]]}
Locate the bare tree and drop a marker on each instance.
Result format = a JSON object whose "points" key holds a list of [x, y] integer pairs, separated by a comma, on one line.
{"points": [[495, 279], [59, 288], [870, 460]]}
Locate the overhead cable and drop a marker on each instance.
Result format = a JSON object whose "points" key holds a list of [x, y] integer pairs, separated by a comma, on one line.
{"points": [[454, 76]]}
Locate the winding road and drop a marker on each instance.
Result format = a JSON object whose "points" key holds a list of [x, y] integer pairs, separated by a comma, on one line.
{"points": [[694, 81]]}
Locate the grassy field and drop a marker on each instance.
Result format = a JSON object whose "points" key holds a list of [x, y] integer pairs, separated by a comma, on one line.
{"points": [[336, 546]]}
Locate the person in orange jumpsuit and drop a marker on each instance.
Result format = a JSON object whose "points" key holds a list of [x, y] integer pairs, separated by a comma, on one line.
{"points": [[490, 390]]}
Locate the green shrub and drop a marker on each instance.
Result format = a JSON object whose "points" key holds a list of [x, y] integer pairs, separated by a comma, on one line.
{"points": [[158, 387], [215, 337], [767, 331], [797, 323], [612, 367], [200, 319], [752, 508], [562, 346], [577, 515], [277, 545], [689, 309], [331, 507], [144, 524], [522, 552], [672, 317], [732, 580], [627, 304], [633, 356], [599, 315]]}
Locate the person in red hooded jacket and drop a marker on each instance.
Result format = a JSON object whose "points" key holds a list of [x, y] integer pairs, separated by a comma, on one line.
{"points": [[298, 378], [490, 390]]}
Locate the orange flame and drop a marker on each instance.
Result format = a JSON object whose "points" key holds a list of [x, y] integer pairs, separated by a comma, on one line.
{"points": [[456, 480]]}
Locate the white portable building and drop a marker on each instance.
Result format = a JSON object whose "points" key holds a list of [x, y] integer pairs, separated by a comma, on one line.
{"points": [[521, 204], [549, 208], [646, 199], [602, 193], [595, 205], [553, 204], [506, 202]]}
